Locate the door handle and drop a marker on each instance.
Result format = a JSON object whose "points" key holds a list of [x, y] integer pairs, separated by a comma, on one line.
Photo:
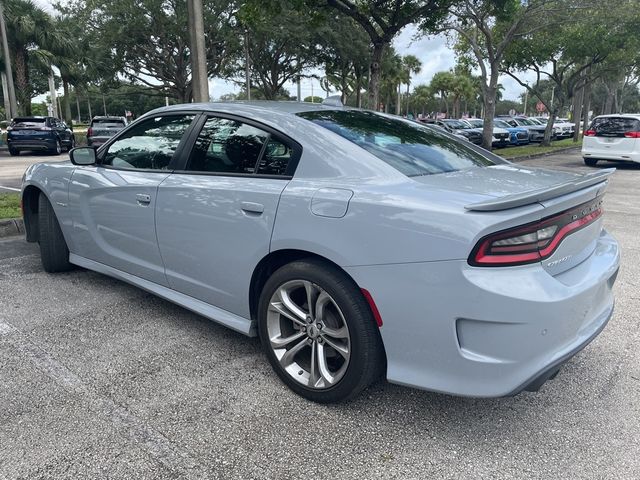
{"points": [[251, 207], [143, 198]]}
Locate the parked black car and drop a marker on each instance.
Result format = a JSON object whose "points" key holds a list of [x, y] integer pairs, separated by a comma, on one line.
{"points": [[103, 128], [462, 128], [39, 133]]}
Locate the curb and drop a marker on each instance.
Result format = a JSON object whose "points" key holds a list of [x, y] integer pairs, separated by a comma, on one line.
{"points": [[544, 154], [11, 227]]}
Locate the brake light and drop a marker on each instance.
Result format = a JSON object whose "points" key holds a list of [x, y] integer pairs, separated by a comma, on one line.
{"points": [[89, 132], [590, 133], [632, 134], [535, 241]]}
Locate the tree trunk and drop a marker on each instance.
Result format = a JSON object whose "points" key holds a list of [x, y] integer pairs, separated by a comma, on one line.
{"points": [[23, 91], [407, 99], [78, 104], [358, 94], [66, 105], [398, 103], [548, 131], [489, 108], [374, 76], [586, 107], [89, 106], [577, 113]]}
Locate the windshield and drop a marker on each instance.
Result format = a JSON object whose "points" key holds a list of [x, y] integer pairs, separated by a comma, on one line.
{"points": [[457, 124], [501, 124], [476, 123], [408, 147]]}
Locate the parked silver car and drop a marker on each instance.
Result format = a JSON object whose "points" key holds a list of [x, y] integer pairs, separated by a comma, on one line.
{"points": [[355, 244]]}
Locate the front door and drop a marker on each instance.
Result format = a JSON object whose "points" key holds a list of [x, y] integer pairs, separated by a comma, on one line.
{"points": [[113, 203], [215, 218]]}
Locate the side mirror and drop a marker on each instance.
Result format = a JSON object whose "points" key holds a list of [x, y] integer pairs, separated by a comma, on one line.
{"points": [[83, 156]]}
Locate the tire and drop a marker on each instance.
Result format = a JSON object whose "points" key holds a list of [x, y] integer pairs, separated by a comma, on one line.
{"points": [[345, 322], [13, 152], [53, 248], [590, 162], [57, 150], [72, 144]]}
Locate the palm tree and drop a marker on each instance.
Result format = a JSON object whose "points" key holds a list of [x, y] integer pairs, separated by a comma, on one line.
{"points": [[411, 66], [33, 38]]}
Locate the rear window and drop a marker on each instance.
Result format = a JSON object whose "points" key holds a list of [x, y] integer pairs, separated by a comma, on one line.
{"points": [[103, 121], [408, 147], [614, 126], [28, 122]]}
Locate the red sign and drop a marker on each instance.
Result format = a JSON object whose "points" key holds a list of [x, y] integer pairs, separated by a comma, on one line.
{"points": [[540, 107]]}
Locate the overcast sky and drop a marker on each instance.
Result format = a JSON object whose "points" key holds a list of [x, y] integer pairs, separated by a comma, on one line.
{"points": [[433, 52]]}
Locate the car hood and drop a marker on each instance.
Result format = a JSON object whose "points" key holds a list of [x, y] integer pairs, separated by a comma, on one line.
{"points": [[498, 180]]}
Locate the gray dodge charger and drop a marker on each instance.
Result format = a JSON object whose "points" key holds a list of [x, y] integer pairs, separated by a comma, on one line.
{"points": [[354, 244]]}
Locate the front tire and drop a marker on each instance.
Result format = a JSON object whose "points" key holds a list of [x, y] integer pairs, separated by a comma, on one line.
{"points": [[590, 162], [14, 152], [54, 252], [318, 332], [72, 144]]}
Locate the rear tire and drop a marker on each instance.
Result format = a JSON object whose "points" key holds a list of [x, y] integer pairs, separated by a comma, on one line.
{"points": [[57, 150], [335, 354], [590, 162], [54, 252]]}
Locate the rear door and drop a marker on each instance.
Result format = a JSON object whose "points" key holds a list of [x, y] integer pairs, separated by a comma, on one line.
{"points": [[612, 135], [215, 217], [113, 203]]}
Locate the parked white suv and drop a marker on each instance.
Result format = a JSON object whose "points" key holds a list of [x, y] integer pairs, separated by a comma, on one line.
{"points": [[612, 137]]}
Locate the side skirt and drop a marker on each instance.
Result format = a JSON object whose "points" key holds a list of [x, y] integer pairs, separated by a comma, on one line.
{"points": [[228, 319]]}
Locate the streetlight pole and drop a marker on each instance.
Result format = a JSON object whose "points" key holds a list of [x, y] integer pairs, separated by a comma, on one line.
{"points": [[8, 69], [200, 81]]}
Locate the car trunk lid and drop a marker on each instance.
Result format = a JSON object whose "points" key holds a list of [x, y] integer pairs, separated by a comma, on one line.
{"points": [[572, 196]]}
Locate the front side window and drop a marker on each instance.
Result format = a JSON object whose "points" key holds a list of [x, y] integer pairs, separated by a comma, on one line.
{"points": [[149, 145], [229, 146], [409, 147]]}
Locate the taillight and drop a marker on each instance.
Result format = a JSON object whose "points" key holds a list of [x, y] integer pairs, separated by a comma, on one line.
{"points": [[632, 134], [89, 132], [590, 133], [535, 241]]}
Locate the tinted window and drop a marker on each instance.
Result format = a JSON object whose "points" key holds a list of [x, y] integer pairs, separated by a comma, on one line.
{"points": [[614, 126], [408, 147], [227, 146], [276, 158], [28, 122], [110, 121], [501, 124], [148, 145]]}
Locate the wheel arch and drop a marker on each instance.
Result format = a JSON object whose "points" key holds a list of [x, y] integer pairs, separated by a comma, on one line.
{"points": [[30, 196], [270, 263]]}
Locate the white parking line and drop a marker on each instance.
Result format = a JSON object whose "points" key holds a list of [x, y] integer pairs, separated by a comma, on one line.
{"points": [[10, 188]]}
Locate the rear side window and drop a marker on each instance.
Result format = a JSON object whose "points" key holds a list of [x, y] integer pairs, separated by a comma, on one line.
{"points": [[614, 126], [409, 147], [230, 146], [107, 121], [149, 145]]}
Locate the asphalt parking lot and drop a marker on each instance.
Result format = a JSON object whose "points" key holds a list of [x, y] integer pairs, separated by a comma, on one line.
{"points": [[103, 380]]}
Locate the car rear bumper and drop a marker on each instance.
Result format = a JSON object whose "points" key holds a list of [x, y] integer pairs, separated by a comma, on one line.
{"points": [[488, 332], [31, 144], [613, 156]]}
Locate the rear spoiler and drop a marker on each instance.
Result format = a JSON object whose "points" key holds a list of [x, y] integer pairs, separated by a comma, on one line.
{"points": [[540, 195]]}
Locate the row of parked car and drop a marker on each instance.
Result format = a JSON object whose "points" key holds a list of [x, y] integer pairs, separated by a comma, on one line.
{"points": [[52, 135], [517, 130]]}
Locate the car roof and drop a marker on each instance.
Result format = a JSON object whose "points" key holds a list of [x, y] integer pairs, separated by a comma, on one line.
{"points": [[254, 106], [624, 115]]}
